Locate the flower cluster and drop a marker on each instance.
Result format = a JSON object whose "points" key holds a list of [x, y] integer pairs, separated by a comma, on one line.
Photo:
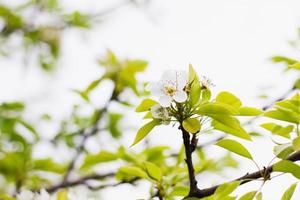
{"points": [[173, 87]]}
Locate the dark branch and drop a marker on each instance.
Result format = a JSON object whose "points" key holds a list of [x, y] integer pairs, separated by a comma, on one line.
{"points": [[189, 161], [246, 178], [285, 95]]}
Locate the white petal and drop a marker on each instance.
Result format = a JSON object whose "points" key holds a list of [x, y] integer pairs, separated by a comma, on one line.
{"points": [[182, 79], [25, 195], [169, 75], [180, 96], [165, 101], [155, 111], [155, 88]]}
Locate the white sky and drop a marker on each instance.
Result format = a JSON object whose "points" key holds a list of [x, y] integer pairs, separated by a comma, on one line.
{"points": [[229, 41]]}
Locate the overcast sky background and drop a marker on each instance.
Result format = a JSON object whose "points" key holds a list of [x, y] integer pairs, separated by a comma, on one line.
{"points": [[230, 41]]}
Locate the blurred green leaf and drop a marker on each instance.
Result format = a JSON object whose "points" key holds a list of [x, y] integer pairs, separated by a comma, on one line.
{"points": [[289, 192], [153, 171]]}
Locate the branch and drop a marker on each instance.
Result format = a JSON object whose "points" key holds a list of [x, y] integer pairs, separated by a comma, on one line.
{"points": [[247, 178], [87, 133], [285, 95], [189, 162], [80, 181]]}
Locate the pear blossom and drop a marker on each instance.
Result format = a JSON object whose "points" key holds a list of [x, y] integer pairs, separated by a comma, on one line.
{"points": [[28, 195], [206, 82], [79, 195], [170, 87], [43, 195], [25, 195], [159, 112]]}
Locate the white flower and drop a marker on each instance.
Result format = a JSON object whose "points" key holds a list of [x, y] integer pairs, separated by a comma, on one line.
{"points": [[25, 195], [28, 195], [159, 112], [43, 195], [79, 195], [206, 82], [170, 87]]}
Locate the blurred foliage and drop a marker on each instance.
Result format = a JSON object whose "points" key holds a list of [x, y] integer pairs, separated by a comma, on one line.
{"points": [[201, 114]]}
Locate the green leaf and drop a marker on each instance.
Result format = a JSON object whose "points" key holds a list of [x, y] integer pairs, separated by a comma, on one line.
{"points": [[237, 131], [145, 105], [48, 165], [248, 111], [216, 108], [286, 60], [248, 196], [191, 125], [259, 196], [278, 130], [133, 171], [29, 127], [195, 87], [287, 167], [297, 84], [289, 192], [12, 106], [113, 124], [145, 130], [283, 150], [296, 143], [101, 157], [205, 95], [180, 191], [225, 189], [283, 115], [228, 98], [62, 195], [153, 171], [295, 66], [92, 86], [235, 147], [134, 66]]}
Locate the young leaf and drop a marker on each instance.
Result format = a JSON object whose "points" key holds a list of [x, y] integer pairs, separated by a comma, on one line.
{"points": [[283, 150], [283, 115], [248, 196], [295, 66], [133, 171], [225, 190], [216, 108], [94, 159], [296, 143], [191, 125], [248, 111], [235, 147], [289, 192], [278, 130], [145, 130], [195, 86], [228, 98], [238, 131], [259, 196], [145, 105], [180, 191], [153, 171], [287, 167]]}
